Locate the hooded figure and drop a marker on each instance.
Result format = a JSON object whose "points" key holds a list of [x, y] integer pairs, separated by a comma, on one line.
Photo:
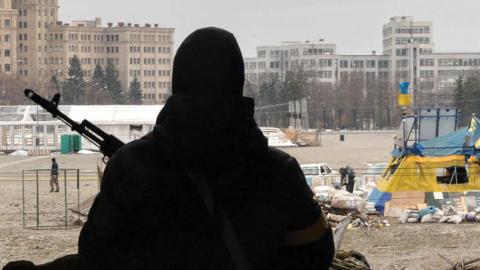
{"points": [[149, 214]]}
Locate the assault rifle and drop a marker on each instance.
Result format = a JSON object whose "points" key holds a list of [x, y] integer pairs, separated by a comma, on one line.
{"points": [[107, 143]]}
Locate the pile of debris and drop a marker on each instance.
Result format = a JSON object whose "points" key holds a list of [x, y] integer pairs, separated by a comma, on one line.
{"points": [[339, 205], [447, 214], [346, 260]]}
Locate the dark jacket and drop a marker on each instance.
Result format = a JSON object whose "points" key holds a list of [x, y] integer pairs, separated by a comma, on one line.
{"points": [[54, 170], [148, 214]]}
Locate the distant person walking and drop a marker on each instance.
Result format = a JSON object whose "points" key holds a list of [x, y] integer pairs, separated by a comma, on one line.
{"points": [[54, 177]]}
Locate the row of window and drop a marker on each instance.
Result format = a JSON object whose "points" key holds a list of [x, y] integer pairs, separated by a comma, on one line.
{"points": [[45, 23], [137, 49], [424, 29], [149, 85], [150, 61], [46, 12], [407, 40], [149, 73], [295, 52], [152, 96], [459, 62], [320, 63], [451, 62], [151, 38]]}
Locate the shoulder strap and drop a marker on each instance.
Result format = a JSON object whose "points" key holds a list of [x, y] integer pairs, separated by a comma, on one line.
{"points": [[228, 235]]}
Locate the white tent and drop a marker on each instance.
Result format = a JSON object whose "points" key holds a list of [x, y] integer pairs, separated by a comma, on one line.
{"points": [[30, 127]]}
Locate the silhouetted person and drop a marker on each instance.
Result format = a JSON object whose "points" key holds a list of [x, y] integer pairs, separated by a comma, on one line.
{"points": [[54, 177], [350, 174], [150, 212]]}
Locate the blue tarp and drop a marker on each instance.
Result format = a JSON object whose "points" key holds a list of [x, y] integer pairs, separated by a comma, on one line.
{"points": [[461, 142], [446, 145], [379, 198]]}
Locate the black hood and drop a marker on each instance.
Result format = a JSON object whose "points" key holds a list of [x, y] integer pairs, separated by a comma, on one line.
{"points": [[208, 63], [209, 120]]}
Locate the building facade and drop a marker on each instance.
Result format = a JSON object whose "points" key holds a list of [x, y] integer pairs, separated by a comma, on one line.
{"points": [[40, 46], [408, 55]]}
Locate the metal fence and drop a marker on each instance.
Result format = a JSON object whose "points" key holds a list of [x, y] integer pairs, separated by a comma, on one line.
{"points": [[42, 209]]}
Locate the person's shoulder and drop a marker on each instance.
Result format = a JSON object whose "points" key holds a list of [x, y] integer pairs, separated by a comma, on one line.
{"points": [[278, 156], [148, 146]]}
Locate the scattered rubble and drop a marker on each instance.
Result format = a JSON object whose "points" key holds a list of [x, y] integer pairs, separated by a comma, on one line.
{"points": [[350, 260], [431, 214]]}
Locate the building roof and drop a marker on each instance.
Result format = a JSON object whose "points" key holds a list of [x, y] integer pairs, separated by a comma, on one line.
{"points": [[97, 114]]}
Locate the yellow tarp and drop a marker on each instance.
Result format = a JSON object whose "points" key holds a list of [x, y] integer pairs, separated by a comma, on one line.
{"points": [[415, 173]]}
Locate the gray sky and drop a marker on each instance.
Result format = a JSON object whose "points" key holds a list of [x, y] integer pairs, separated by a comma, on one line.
{"points": [[354, 25]]}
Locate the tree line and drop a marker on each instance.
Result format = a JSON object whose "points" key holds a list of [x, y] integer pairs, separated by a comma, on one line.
{"points": [[467, 94], [103, 88], [354, 102]]}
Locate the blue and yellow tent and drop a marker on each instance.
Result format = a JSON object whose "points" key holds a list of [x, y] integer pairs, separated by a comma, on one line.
{"points": [[449, 163]]}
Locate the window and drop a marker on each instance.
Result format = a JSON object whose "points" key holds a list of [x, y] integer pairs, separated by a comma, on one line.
{"points": [[402, 52], [311, 170], [425, 51], [7, 23], [325, 62], [7, 68], [427, 62], [312, 62], [402, 75], [325, 74], [274, 54], [7, 53], [294, 52], [370, 63], [452, 175], [274, 64], [344, 64], [7, 38], [402, 63], [383, 63], [262, 54], [426, 73], [356, 64], [383, 75]]}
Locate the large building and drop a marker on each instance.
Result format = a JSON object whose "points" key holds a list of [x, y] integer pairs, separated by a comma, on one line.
{"points": [[408, 55], [35, 45]]}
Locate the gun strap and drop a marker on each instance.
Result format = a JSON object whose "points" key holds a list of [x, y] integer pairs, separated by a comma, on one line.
{"points": [[227, 233]]}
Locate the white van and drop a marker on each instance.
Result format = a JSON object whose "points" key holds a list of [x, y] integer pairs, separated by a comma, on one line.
{"points": [[319, 174]]}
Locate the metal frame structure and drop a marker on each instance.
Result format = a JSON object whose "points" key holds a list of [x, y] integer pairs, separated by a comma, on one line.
{"points": [[37, 213]]}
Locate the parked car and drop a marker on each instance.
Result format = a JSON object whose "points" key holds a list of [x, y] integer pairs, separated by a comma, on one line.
{"points": [[319, 174]]}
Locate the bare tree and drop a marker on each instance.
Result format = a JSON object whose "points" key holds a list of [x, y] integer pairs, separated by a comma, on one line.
{"points": [[11, 90]]}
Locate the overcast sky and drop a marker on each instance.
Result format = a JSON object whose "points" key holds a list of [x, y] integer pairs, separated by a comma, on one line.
{"points": [[354, 25]]}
